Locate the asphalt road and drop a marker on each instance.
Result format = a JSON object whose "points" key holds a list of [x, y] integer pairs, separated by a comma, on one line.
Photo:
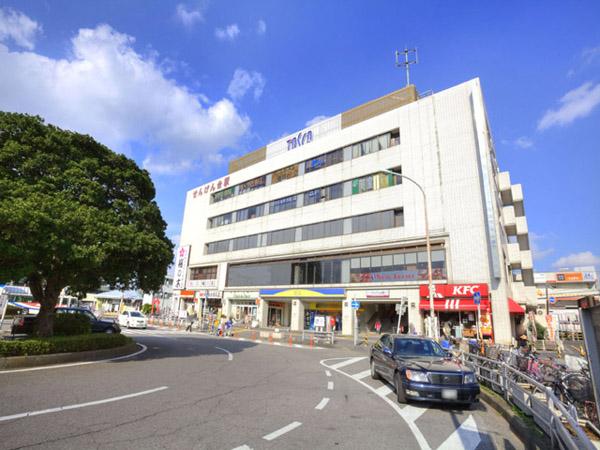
{"points": [[194, 391]]}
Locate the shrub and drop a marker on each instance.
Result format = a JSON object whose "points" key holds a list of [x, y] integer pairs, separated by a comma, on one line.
{"points": [[146, 309], [71, 324], [62, 344], [541, 330]]}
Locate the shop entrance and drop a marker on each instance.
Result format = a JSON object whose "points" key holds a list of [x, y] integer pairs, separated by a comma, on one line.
{"points": [[323, 316], [385, 313], [244, 312], [278, 314]]}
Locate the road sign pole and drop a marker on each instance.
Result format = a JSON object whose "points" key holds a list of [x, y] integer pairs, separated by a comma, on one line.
{"points": [[355, 327]]}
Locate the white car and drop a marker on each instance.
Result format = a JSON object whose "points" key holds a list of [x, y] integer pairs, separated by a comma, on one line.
{"points": [[133, 319]]}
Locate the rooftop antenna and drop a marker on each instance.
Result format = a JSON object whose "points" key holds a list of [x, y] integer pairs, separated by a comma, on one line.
{"points": [[407, 61]]}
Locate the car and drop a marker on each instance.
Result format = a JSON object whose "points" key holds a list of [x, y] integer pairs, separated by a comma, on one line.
{"points": [[26, 324], [133, 319], [420, 370]]}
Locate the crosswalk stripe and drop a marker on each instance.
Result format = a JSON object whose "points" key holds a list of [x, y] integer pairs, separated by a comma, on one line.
{"points": [[383, 390], [347, 362], [412, 413], [466, 436], [361, 375]]}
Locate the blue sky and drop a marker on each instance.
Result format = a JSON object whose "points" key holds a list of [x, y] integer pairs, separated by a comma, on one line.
{"points": [[184, 86]]}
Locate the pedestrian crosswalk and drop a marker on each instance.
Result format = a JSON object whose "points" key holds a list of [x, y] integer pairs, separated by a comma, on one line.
{"points": [[153, 332], [434, 427]]}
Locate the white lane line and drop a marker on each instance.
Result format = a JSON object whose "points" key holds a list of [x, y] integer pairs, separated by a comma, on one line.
{"points": [[361, 375], [242, 339], [229, 354], [286, 429], [80, 405], [347, 362], [330, 385], [412, 413], [328, 373], [84, 363], [411, 424], [323, 403], [383, 390], [243, 447], [466, 436]]}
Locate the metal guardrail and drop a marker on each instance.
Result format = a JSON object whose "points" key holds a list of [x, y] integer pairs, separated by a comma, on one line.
{"points": [[534, 399], [327, 336]]}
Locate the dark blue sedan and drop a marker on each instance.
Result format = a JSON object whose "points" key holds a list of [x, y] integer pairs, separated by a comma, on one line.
{"points": [[420, 369]]}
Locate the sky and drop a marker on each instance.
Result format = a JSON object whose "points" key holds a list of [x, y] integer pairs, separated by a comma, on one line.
{"points": [[183, 87]]}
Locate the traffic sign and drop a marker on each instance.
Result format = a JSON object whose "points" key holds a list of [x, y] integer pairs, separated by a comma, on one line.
{"points": [[477, 298], [552, 300], [355, 304]]}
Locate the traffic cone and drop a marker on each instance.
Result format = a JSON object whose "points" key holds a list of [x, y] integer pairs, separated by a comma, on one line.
{"points": [[290, 340], [270, 338], [312, 341]]}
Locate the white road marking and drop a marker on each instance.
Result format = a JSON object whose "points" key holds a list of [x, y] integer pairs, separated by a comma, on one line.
{"points": [[323, 403], [330, 385], [84, 363], [412, 413], [347, 362], [466, 436], [80, 405], [383, 390], [243, 447], [286, 429], [229, 354], [411, 424], [361, 375], [242, 339], [328, 373]]}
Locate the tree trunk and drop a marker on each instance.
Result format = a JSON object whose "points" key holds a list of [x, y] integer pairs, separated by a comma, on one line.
{"points": [[46, 294]]}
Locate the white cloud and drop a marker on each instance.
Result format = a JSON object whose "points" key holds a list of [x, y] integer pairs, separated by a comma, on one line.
{"points": [[261, 28], [539, 245], [18, 27], [590, 55], [121, 98], [575, 104], [188, 17], [229, 33], [523, 142], [316, 120], [577, 259], [243, 81]]}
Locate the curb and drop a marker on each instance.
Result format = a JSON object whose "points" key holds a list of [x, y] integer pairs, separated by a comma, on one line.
{"points": [[532, 438], [19, 362]]}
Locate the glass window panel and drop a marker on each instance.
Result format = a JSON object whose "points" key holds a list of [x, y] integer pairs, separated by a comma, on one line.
{"points": [[355, 263], [399, 259], [375, 261], [411, 258], [387, 260], [365, 262], [422, 257], [438, 255]]}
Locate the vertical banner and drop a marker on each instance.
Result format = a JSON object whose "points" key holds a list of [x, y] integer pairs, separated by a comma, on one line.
{"points": [[181, 265]]}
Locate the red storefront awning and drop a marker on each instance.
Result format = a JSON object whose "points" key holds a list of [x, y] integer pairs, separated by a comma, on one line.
{"points": [[514, 307]]}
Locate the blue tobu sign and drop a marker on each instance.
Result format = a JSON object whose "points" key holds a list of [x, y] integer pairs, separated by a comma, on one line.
{"points": [[355, 304]]}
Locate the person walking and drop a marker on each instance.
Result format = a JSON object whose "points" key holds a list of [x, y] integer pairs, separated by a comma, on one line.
{"points": [[378, 326], [191, 319]]}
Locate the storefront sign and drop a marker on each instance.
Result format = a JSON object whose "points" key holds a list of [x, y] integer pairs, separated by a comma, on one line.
{"points": [[378, 294], [181, 265], [455, 290], [211, 187], [304, 137], [317, 292], [201, 284], [396, 275], [211, 294], [564, 277], [319, 321]]}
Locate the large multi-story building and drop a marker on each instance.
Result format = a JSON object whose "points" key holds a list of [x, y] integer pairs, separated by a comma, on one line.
{"points": [[300, 228]]}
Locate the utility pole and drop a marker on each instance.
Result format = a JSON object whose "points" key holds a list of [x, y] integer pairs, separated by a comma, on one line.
{"points": [[407, 61]]}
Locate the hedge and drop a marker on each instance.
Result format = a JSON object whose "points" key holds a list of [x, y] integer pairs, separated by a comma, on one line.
{"points": [[62, 344], [71, 325]]}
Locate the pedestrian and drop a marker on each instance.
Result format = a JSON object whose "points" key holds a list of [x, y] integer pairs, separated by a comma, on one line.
{"points": [[191, 319], [332, 323], [378, 326]]}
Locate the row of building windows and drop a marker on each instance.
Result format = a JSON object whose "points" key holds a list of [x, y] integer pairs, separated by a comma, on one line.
{"points": [[356, 224], [339, 155], [203, 273], [321, 194], [379, 267]]}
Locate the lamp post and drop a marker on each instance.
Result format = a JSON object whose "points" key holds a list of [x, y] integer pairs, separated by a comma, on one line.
{"points": [[433, 332]]}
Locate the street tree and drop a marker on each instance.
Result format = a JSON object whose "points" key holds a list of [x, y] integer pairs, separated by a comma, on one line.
{"points": [[74, 213]]}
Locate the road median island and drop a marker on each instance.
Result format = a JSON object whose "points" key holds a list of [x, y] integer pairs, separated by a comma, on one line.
{"points": [[63, 349], [523, 427]]}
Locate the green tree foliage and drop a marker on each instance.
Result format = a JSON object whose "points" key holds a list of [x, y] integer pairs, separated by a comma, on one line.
{"points": [[146, 309], [74, 213]]}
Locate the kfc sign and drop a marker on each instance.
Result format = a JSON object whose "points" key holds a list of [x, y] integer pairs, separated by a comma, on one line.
{"points": [[454, 290]]}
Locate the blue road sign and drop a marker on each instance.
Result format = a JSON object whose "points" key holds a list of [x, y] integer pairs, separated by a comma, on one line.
{"points": [[355, 304], [552, 300], [477, 298]]}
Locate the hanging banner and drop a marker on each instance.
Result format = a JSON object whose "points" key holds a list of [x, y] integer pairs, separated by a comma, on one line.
{"points": [[181, 265]]}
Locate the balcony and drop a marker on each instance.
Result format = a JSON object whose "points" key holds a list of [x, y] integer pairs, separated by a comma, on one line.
{"points": [[504, 181], [526, 259], [514, 255], [509, 219], [522, 227], [517, 193]]}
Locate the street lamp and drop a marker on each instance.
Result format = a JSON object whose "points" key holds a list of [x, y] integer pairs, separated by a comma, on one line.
{"points": [[432, 323]]}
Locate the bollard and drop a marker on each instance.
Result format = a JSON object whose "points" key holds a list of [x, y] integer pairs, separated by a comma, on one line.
{"points": [[254, 335], [312, 341], [270, 338], [290, 340]]}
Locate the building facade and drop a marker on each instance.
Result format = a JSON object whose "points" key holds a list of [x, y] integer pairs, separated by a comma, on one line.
{"points": [[301, 229]]}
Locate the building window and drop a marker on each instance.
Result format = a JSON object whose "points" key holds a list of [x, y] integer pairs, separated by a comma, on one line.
{"points": [[250, 213], [312, 197], [223, 195], [283, 204], [218, 247], [285, 236], [314, 164], [253, 184], [245, 242], [284, 174], [363, 184], [203, 273], [334, 191]]}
